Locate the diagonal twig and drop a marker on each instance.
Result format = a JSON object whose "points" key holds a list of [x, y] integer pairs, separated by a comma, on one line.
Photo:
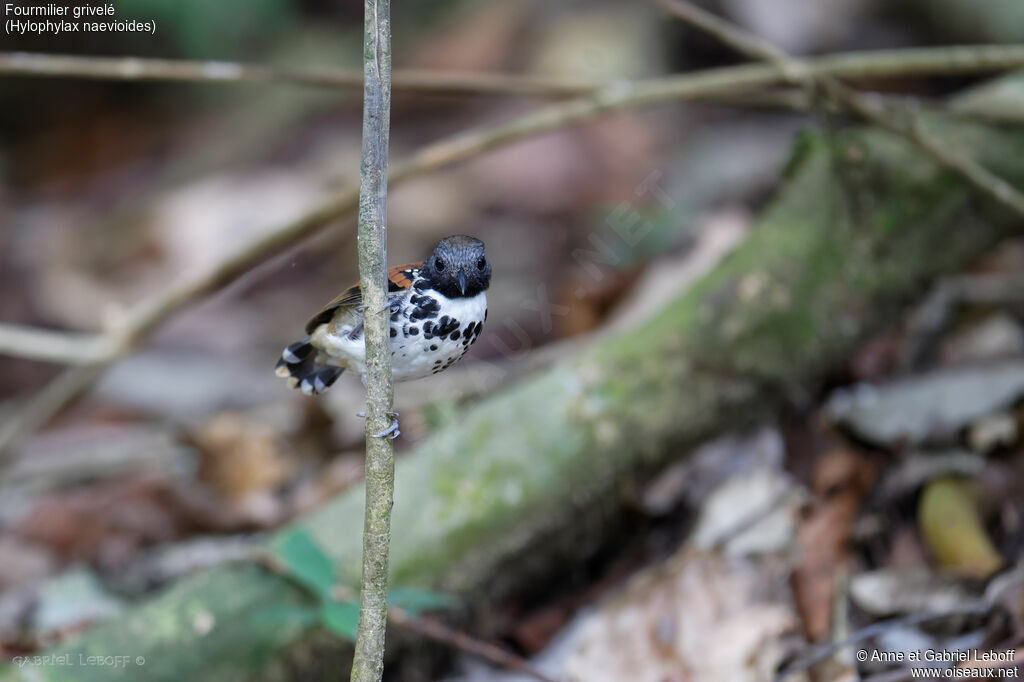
{"points": [[910, 128], [439, 632], [733, 36], [425, 626], [801, 72]]}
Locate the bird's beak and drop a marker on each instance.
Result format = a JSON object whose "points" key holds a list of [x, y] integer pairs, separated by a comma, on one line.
{"points": [[462, 283]]}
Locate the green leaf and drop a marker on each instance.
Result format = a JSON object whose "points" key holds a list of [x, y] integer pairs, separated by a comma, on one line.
{"points": [[306, 562], [416, 601], [341, 618]]}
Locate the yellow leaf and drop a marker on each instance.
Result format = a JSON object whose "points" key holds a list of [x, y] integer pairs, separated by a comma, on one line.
{"points": [[952, 528]]}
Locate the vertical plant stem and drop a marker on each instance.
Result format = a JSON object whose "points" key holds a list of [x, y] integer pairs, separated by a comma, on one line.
{"points": [[368, 665]]}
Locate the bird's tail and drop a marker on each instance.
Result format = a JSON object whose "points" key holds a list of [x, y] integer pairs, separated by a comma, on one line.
{"points": [[298, 365]]}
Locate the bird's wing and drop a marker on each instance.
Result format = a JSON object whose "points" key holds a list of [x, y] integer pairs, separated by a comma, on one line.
{"points": [[400, 278]]}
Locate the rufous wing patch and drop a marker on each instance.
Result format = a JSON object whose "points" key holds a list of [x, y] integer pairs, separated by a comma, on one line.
{"points": [[400, 277]]}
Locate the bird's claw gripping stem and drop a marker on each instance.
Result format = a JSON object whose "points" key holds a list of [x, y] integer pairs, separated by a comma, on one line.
{"points": [[391, 432]]}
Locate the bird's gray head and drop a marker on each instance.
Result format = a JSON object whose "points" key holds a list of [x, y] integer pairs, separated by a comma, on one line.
{"points": [[458, 267]]}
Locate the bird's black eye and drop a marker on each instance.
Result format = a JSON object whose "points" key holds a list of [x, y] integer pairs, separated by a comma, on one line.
{"points": [[438, 264], [481, 264]]}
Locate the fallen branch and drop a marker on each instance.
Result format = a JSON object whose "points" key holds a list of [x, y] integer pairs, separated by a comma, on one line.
{"points": [[704, 85]]}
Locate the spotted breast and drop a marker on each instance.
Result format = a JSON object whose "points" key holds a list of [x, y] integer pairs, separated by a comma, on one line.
{"points": [[438, 308]]}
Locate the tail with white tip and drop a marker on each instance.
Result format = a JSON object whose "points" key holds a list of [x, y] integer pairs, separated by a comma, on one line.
{"points": [[298, 366]]}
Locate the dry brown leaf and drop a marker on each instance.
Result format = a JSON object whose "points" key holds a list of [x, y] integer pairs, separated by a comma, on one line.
{"points": [[239, 456], [106, 523], [699, 617], [841, 479], [719, 609]]}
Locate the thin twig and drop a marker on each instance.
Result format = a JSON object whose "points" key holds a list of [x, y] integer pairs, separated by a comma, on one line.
{"points": [[439, 632], [462, 83], [801, 71], [699, 86], [974, 173], [873, 64], [53, 346], [735, 37], [33, 64], [368, 663], [795, 71], [46, 403]]}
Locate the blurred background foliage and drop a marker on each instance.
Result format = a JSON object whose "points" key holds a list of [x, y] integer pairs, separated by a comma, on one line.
{"points": [[111, 191]]}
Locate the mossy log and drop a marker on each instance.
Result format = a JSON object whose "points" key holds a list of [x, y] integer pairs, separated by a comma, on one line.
{"points": [[526, 481]]}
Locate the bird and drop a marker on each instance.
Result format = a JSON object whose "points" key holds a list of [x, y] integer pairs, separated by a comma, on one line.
{"points": [[437, 309]]}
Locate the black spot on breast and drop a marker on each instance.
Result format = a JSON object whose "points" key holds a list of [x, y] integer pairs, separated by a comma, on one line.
{"points": [[471, 332], [414, 330], [455, 335], [424, 307], [433, 346], [394, 332], [445, 326]]}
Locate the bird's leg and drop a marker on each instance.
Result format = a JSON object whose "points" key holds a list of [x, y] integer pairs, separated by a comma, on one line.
{"points": [[394, 305], [390, 432]]}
